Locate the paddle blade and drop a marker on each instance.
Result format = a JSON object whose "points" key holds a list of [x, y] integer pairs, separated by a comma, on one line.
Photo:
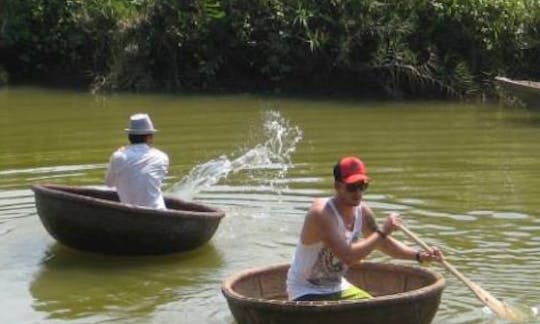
{"points": [[498, 307]]}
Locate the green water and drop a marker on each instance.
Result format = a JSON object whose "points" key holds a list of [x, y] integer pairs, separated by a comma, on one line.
{"points": [[466, 178]]}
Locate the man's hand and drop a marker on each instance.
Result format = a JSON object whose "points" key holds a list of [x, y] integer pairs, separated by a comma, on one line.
{"points": [[392, 223], [434, 254]]}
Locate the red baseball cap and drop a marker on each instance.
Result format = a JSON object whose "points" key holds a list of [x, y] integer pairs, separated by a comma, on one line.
{"points": [[351, 170]]}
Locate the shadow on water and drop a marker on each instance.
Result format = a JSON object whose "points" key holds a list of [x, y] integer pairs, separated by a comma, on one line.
{"points": [[72, 284]]}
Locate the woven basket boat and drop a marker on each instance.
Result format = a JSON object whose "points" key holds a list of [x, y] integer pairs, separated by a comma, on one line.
{"points": [[94, 220], [402, 295], [528, 91]]}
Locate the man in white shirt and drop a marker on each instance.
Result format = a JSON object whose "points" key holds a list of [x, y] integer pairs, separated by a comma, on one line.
{"points": [[138, 169]]}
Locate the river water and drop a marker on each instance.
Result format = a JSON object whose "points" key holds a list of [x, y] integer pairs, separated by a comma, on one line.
{"points": [[465, 177]]}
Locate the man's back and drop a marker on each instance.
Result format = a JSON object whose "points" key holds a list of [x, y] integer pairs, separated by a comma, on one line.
{"points": [[137, 172]]}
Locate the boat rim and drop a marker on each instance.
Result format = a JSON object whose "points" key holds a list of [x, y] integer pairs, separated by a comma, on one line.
{"points": [[55, 189], [428, 290]]}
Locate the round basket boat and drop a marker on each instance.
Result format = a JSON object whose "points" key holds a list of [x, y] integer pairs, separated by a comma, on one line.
{"points": [[94, 220], [402, 295], [528, 91]]}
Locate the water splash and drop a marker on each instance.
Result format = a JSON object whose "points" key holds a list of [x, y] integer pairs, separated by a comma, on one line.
{"points": [[274, 153]]}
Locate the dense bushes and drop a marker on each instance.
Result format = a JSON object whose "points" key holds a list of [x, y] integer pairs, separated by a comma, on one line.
{"points": [[60, 38], [418, 47]]}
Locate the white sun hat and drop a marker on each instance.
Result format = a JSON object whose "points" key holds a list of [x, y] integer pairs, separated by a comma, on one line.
{"points": [[140, 124]]}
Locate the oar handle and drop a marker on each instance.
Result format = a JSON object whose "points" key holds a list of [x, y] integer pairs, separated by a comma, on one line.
{"points": [[426, 247], [414, 237]]}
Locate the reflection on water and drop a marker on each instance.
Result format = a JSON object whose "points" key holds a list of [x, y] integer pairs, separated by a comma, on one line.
{"points": [[72, 284]]}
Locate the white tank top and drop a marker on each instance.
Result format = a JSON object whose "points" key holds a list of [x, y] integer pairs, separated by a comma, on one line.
{"points": [[314, 269]]}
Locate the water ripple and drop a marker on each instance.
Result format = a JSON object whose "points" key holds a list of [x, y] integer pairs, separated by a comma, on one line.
{"points": [[15, 204], [62, 169]]}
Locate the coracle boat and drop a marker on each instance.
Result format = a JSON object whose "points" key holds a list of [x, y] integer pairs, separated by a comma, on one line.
{"points": [[528, 91], [402, 294], [94, 220]]}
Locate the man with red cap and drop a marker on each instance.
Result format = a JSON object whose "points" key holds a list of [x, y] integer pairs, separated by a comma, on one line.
{"points": [[339, 232]]}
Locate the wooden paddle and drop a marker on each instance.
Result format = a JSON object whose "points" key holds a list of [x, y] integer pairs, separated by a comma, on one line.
{"points": [[497, 306]]}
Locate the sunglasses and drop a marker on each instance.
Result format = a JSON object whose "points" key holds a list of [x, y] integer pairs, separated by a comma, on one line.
{"points": [[353, 187]]}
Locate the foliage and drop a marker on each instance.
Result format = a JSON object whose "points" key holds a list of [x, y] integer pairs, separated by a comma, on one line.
{"points": [[415, 47], [69, 36]]}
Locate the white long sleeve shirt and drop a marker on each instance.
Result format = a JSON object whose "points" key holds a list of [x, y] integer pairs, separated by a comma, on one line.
{"points": [[137, 171]]}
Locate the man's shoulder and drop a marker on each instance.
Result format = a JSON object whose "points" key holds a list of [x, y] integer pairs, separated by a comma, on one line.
{"points": [[159, 156], [318, 207], [119, 153], [159, 153]]}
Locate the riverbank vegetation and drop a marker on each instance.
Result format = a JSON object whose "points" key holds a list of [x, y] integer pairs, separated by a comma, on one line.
{"points": [[443, 48]]}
